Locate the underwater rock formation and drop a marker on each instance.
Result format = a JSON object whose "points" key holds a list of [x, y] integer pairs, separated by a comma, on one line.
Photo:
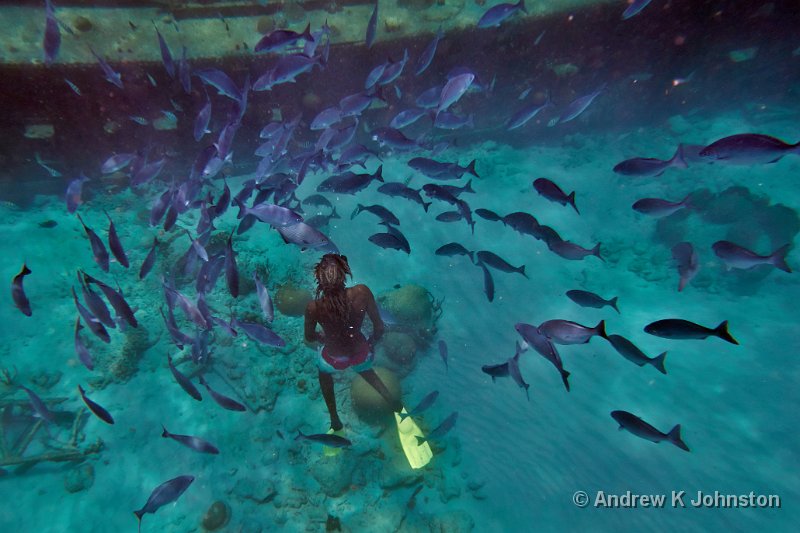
{"points": [[217, 515], [79, 478], [334, 475], [292, 300], [411, 306], [398, 351], [368, 404]]}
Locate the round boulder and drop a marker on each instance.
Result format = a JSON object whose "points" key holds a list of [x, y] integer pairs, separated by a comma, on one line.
{"points": [[292, 300], [410, 305], [368, 404]]}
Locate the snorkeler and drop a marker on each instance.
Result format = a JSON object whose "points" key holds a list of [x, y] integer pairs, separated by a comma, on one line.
{"points": [[340, 311]]}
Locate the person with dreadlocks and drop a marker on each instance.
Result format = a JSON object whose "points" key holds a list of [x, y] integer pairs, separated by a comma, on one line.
{"points": [[340, 311]]}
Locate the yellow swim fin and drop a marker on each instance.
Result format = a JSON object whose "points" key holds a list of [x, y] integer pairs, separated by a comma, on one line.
{"points": [[330, 451], [418, 455]]}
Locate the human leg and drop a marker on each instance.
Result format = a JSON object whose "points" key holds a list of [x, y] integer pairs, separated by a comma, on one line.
{"points": [[373, 379], [326, 386]]}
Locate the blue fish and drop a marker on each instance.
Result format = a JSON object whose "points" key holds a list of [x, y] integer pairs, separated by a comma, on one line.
{"points": [[748, 149], [185, 73], [406, 118], [111, 75], [426, 57], [52, 35], [39, 405], [372, 26], [643, 430], [18, 292], [221, 82], [183, 381], [74, 87], [74, 192], [166, 56], [453, 90], [495, 15], [521, 117], [278, 39], [167, 492], [80, 348], [634, 8], [99, 411], [579, 105]]}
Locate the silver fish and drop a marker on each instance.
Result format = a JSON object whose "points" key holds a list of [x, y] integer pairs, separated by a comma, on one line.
{"points": [[629, 351], [590, 299], [748, 149], [660, 208], [167, 492], [223, 401], [735, 256], [195, 443], [568, 332], [642, 429]]}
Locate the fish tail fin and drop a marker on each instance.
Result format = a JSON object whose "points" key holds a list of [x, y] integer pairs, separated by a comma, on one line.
{"points": [[601, 329], [307, 33], [164, 433], [139, 514], [334, 214], [678, 159], [425, 205], [778, 258], [658, 362], [596, 252], [521, 269], [25, 269], [521, 5], [471, 257], [565, 379], [527, 393], [613, 303], [674, 436], [242, 208], [356, 211], [722, 332], [468, 187], [299, 435], [378, 174], [471, 169], [571, 201]]}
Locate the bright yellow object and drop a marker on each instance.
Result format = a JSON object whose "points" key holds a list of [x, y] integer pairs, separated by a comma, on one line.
{"points": [[330, 451], [418, 455]]}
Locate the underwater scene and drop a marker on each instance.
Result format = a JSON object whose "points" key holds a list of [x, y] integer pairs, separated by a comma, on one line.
{"points": [[399, 265]]}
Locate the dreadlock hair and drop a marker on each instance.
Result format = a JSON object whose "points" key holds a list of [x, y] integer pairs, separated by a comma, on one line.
{"points": [[331, 272]]}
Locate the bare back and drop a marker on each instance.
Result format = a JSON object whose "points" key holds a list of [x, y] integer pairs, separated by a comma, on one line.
{"points": [[347, 338]]}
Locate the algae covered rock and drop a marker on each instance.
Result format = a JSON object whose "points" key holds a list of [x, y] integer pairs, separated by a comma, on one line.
{"points": [[397, 350], [292, 300], [334, 475], [79, 478], [368, 404], [217, 515], [410, 305]]}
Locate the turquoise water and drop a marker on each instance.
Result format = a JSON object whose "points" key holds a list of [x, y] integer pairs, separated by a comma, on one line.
{"points": [[509, 464]]}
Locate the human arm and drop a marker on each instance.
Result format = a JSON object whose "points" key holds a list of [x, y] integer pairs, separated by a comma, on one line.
{"points": [[311, 334], [375, 316]]}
